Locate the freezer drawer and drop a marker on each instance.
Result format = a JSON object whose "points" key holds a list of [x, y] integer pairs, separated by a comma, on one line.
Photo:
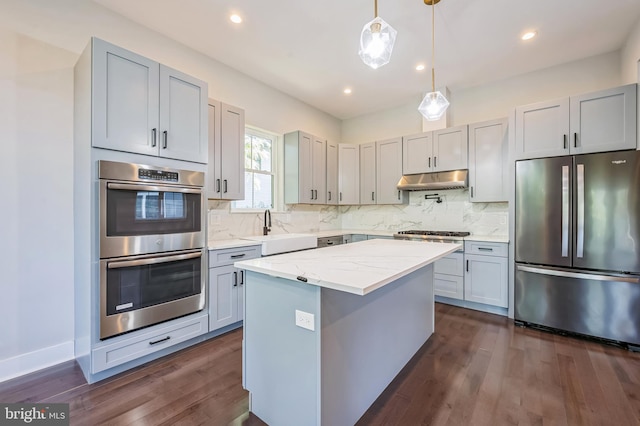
{"points": [[604, 306]]}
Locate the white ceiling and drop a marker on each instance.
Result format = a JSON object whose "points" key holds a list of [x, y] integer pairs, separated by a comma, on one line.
{"points": [[309, 49]]}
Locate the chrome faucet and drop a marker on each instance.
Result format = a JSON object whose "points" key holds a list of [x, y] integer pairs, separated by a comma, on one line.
{"points": [[267, 225]]}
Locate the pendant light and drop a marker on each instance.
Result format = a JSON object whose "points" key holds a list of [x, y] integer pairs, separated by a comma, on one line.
{"points": [[376, 41], [434, 103]]}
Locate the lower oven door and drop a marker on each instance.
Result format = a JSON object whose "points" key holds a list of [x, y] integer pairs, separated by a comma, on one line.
{"points": [[140, 291]]}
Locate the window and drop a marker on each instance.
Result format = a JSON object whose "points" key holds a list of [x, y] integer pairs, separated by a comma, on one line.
{"points": [[259, 170]]}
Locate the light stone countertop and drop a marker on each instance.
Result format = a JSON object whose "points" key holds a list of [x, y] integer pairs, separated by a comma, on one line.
{"points": [[357, 268], [238, 242]]}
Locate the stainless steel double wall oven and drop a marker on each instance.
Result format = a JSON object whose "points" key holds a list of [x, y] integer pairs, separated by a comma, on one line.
{"points": [[152, 238]]}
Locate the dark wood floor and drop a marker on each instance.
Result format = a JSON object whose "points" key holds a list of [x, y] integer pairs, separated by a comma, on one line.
{"points": [[477, 369]]}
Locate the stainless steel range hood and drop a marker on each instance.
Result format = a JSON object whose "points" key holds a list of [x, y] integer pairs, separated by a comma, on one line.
{"points": [[454, 179]]}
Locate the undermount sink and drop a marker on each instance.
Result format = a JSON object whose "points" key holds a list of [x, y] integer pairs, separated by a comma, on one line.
{"points": [[282, 243]]}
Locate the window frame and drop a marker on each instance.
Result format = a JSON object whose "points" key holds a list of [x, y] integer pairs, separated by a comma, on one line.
{"points": [[277, 162]]}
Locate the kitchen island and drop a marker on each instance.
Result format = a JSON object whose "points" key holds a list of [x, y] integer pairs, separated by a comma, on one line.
{"points": [[327, 330]]}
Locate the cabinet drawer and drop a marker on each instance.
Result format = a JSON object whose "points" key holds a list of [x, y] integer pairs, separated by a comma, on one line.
{"points": [[228, 256], [112, 355], [451, 264], [450, 286], [486, 248]]}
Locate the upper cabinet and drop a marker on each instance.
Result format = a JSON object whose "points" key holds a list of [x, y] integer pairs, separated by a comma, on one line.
{"points": [[144, 107], [226, 152], [380, 171], [348, 174], [332, 173], [594, 122], [305, 168], [436, 151], [488, 154]]}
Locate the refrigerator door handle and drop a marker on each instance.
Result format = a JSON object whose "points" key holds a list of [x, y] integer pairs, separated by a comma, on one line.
{"points": [[580, 213], [579, 275], [565, 211]]}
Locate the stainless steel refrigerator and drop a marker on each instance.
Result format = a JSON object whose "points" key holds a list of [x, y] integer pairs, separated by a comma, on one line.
{"points": [[577, 244]]}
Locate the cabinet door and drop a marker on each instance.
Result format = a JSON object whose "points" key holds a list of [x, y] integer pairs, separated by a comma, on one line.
{"points": [[319, 170], [450, 148], [214, 178], [417, 151], [488, 156], [368, 173], [223, 296], [542, 129], [485, 280], [451, 286], [332, 173], [125, 100], [604, 120], [232, 152], [389, 171], [348, 174], [305, 167], [183, 116]]}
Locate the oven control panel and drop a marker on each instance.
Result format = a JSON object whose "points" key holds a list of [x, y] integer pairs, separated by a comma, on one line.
{"points": [[161, 175]]}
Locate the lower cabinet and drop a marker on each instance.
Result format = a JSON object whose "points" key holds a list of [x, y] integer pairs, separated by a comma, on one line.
{"points": [[477, 276], [486, 273], [226, 285], [448, 276]]}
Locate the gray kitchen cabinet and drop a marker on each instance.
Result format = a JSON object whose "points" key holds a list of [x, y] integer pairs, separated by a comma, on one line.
{"points": [[143, 107], [380, 171], [226, 152], [486, 273], [448, 276], [226, 282], [488, 156], [593, 122], [436, 151], [368, 173], [305, 168], [348, 174], [332, 173]]}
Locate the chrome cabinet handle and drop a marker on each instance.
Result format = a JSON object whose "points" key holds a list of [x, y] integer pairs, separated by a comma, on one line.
{"points": [[165, 136], [154, 137]]}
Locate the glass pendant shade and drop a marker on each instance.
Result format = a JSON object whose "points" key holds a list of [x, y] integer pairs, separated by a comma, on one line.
{"points": [[433, 106], [376, 43]]}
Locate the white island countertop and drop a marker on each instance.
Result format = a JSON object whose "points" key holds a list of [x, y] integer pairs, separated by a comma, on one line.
{"points": [[357, 268]]}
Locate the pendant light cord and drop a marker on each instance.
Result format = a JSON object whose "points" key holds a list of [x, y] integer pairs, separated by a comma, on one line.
{"points": [[433, 46], [375, 8]]}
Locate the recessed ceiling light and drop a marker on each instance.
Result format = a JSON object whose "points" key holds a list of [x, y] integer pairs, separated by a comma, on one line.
{"points": [[347, 91], [420, 67], [236, 19], [529, 35]]}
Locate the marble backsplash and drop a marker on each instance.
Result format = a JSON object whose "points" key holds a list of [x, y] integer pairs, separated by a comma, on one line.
{"points": [[454, 213]]}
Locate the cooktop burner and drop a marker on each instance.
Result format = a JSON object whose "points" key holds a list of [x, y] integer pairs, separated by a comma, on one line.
{"points": [[435, 233]]}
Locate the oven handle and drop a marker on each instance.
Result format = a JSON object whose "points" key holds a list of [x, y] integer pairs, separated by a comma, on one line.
{"points": [[151, 261], [134, 187]]}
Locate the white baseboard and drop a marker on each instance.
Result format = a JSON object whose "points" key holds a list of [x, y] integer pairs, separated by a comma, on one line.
{"points": [[16, 366]]}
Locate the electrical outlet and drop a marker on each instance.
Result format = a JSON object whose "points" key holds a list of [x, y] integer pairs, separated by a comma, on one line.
{"points": [[305, 320]]}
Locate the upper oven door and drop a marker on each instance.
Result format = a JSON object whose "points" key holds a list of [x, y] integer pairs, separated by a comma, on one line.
{"points": [[142, 218]]}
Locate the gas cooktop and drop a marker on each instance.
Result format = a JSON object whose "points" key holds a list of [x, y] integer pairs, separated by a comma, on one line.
{"points": [[435, 233]]}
